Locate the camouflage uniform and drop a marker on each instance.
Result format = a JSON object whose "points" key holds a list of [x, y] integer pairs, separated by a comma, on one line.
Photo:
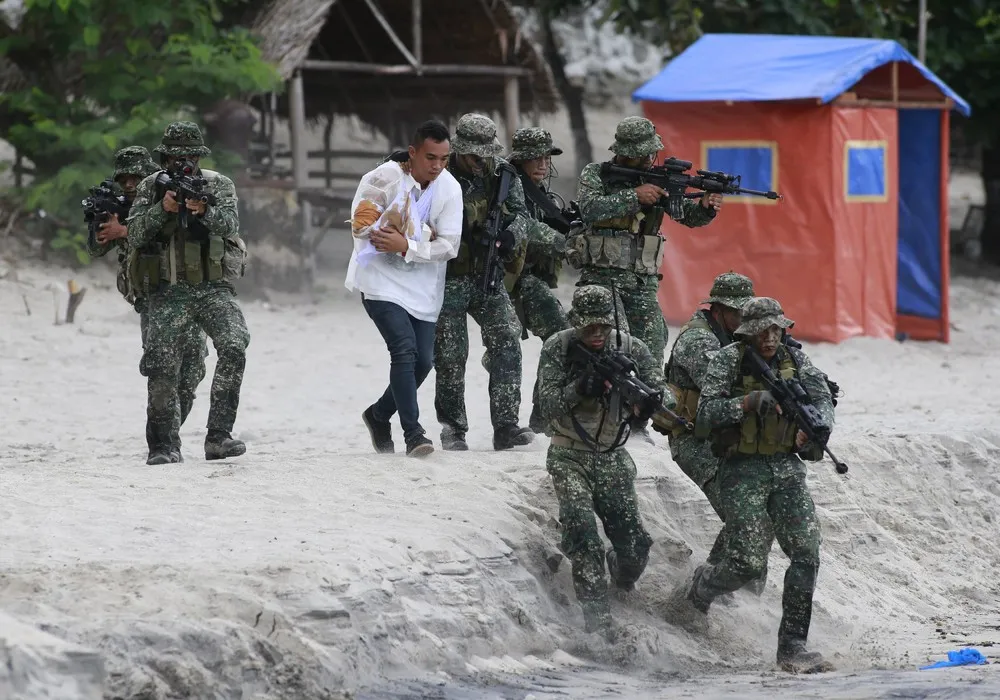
{"points": [[594, 475], [186, 275], [463, 295], [763, 488], [699, 340], [537, 307], [623, 245], [135, 160]]}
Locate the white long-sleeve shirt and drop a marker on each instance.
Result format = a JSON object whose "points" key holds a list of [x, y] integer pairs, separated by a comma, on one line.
{"points": [[414, 281]]}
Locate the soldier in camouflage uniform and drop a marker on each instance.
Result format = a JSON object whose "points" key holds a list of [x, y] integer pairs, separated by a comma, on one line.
{"points": [[538, 309], [621, 244], [476, 164], [590, 468], [186, 276], [132, 164], [763, 488], [699, 340]]}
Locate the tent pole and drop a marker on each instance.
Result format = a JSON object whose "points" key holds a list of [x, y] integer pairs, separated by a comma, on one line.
{"points": [[945, 227]]}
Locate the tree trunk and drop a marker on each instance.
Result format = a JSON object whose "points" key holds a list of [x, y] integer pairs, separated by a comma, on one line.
{"points": [[572, 96], [990, 237]]}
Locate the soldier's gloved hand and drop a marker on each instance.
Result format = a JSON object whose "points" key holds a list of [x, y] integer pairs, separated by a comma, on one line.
{"points": [[590, 386], [505, 243], [759, 402]]}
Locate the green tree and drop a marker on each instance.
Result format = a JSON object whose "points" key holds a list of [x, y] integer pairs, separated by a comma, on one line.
{"points": [[86, 77]]}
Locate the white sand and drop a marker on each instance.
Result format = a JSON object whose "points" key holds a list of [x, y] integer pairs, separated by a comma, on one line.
{"points": [[311, 565]]}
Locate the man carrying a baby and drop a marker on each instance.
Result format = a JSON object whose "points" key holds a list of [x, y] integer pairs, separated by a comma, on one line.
{"points": [[406, 221]]}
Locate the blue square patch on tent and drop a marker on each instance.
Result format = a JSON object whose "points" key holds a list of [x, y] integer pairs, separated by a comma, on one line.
{"points": [[865, 176], [755, 161]]}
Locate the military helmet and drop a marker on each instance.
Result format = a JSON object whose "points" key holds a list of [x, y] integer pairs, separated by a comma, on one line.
{"points": [[636, 137], [476, 134], [759, 314], [182, 139], [731, 289], [532, 142], [592, 305], [133, 160]]}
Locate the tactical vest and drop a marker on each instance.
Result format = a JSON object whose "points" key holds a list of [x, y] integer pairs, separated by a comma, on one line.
{"points": [[770, 435], [591, 415], [631, 242], [185, 257], [478, 194], [684, 388]]}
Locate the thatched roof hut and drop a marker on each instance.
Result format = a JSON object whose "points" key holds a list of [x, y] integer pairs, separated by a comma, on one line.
{"points": [[391, 61]]}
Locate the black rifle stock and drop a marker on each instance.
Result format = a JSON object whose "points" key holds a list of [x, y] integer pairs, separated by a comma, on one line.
{"points": [[494, 220], [103, 203], [796, 406], [673, 176]]}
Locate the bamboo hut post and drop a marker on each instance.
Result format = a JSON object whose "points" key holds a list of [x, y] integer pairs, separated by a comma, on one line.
{"points": [[300, 165], [511, 107], [327, 151]]}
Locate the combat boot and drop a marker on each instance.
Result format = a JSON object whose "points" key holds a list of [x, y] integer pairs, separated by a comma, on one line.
{"points": [[623, 578], [597, 617], [509, 436], [453, 441], [158, 456], [700, 603], [794, 658], [221, 445]]}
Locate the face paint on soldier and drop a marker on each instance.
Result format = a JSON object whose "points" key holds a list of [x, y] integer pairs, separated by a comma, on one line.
{"points": [[537, 169], [170, 161], [728, 318], [471, 163], [129, 183], [595, 336], [643, 163], [766, 342]]}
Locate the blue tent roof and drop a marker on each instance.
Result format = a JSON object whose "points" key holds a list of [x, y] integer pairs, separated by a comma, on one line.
{"points": [[766, 67]]}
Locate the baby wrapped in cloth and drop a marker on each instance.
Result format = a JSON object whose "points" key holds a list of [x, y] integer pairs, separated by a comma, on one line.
{"points": [[404, 213]]}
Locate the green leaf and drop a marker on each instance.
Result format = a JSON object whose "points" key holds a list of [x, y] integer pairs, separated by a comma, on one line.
{"points": [[111, 141], [92, 35], [64, 4]]}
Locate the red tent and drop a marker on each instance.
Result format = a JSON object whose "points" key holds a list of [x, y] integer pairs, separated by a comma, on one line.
{"points": [[854, 134]]}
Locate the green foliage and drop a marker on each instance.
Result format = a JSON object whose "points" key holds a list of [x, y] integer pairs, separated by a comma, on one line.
{"points": [[105, 74]]}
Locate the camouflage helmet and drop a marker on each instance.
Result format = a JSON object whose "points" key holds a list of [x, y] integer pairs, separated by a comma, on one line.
{"points": [[532, 142], [635, 137], [476, 134], [592, 305], [133, 160], [731, 289], [759, 314], [182, 139]]}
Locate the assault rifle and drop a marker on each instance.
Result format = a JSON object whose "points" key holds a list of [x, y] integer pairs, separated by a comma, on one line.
{"points": [[554, 213], [620, 371], [492, 265], [181, 179], [105, 201], [673, 176], [796, 406]]}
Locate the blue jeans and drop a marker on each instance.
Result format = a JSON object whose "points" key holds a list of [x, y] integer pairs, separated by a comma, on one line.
{"points": [[411, 351]]}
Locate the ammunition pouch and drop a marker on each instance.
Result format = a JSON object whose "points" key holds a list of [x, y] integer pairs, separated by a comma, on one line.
{"points": [[687, 407]]}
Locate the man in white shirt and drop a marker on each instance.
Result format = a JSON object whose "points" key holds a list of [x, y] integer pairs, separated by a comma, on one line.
{"points": [[407, 224]]}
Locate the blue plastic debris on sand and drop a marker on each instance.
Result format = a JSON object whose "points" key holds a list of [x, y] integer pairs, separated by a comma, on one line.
{"points": [[962, 657]]}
